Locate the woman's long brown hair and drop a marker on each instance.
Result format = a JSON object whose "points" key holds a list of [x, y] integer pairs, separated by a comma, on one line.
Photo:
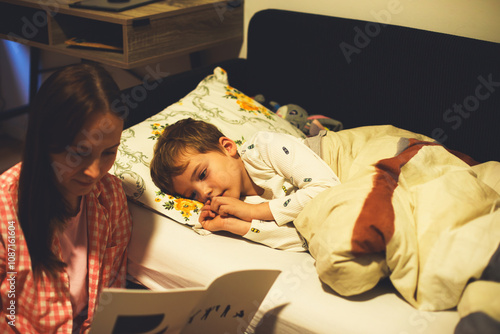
{"points": [[61, 107]]}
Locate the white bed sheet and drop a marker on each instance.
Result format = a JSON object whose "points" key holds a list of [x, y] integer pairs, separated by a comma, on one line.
{"points": [[164, 254]]}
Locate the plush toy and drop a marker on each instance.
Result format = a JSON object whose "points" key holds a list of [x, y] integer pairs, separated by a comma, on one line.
{"points": [[310, 125], [298, 117], [294, 114], [316, 123]]}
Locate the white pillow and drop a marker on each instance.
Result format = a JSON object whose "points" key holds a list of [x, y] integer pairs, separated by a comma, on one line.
{"points": [[236, 115]]}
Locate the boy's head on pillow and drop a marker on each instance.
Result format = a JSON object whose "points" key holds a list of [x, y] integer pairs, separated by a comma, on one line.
{"points": [[189, 150]]}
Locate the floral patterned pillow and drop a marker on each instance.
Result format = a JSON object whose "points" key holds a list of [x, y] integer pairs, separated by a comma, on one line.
{"points": [[214, 101]]}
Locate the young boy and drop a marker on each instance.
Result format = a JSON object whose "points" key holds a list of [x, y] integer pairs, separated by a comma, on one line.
{"points": [[255, 193]]}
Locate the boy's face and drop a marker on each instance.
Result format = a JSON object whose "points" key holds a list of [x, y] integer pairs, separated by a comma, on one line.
{"points": [[211, 174]]}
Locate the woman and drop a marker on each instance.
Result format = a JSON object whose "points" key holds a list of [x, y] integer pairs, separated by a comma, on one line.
{"points": [[64, 220]]}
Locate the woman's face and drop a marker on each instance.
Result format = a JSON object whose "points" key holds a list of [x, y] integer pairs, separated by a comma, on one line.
{"points": [[83, 163]]}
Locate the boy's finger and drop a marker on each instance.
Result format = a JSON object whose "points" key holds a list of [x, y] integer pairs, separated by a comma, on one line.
{"points": [[206, 215], [216, 203], [208, 209]]}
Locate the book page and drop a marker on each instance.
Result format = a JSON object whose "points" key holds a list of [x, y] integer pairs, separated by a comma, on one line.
{"points": [[228, 304], [231, 302], [143, 311]]}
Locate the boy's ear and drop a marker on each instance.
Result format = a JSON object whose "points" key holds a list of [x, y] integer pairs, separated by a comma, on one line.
{"points": [[229, 145]]}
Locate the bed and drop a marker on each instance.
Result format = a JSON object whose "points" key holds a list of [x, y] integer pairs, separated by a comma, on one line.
{"points": [[441, 86]]}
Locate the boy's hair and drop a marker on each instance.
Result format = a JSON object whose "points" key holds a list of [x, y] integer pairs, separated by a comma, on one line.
{"points": [[186, 136]]}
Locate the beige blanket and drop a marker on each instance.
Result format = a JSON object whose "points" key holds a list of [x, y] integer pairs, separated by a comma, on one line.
{"points": [[407, 209]]}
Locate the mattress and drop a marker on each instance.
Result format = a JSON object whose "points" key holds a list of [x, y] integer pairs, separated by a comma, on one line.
{"points": [[164, 254]]}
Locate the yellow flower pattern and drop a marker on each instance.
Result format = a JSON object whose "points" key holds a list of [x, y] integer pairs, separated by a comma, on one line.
{"points": [[157, 130], [185, 206], [246, 103]]}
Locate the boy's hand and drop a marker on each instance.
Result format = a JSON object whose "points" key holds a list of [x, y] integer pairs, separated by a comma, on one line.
{"points": [[229, 206], [214, 222], [206, 212]]}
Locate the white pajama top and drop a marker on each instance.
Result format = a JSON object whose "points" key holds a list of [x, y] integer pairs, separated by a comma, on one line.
{"points": [[291, 174]]}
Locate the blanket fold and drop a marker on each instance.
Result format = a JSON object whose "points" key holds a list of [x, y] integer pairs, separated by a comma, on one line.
{"points": [[407, 209]]}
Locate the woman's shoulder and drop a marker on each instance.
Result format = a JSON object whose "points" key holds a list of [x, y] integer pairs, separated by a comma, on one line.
{"points": [[10, 178], [110, 189], [111, 180], [9, 184]]}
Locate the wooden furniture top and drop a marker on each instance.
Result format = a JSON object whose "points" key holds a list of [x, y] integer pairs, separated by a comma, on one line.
{"points": [[138, 36], [155, 10]]}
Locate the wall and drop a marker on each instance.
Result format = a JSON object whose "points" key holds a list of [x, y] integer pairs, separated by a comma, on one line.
{"points": [[470, 18], [14, 75], [478, 19]]}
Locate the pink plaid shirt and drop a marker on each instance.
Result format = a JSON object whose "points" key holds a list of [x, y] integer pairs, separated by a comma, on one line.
{"points": [[45, 307]]}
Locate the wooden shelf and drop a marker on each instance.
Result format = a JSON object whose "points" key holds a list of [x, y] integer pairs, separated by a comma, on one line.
{"points": [[144, 34]]}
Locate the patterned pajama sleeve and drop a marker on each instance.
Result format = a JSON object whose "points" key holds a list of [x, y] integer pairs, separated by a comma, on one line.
{"points": [[283, 165]]}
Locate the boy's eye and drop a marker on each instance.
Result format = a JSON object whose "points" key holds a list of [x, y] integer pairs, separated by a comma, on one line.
{"points": [[193, 196], [203, 174]]}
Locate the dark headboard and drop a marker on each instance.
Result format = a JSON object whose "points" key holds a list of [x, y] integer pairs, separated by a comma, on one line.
{"points": [[365, 73]]}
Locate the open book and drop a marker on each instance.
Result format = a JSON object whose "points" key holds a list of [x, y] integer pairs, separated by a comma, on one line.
{"points": [[227, 305]]}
